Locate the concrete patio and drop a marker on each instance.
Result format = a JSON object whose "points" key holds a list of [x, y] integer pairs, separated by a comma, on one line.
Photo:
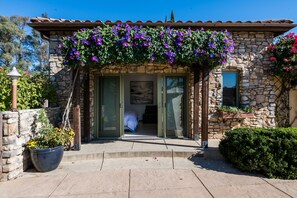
{"points": [[146, 177]]}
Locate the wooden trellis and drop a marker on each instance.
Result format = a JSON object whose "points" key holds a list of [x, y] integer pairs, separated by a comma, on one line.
{"points": [[282, 108]]}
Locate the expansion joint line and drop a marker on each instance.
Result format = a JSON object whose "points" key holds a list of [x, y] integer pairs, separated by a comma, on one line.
{"points": [[203, 184], [276, 187]]}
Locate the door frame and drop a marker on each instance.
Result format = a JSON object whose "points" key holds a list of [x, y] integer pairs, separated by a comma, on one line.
{"points": [[162, 125], [97, 105], [161, 102]]}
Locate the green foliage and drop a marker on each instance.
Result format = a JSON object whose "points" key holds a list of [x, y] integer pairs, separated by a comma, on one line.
{"points": [[17, 48], [122, 44], [48, 136], [33, 89], [284, 58], [231, 109], [271, 152]]}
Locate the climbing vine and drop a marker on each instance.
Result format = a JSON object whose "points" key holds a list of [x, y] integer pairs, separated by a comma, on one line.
{"points": [[123, 44]]}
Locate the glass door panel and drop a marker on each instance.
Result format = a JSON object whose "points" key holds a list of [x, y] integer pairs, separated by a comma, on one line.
{"points": [[175, 106], [109, 104]]}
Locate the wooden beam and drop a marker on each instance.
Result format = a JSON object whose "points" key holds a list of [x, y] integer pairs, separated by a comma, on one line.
{"points": [[76, 109], [196, 101], [205, 100], [87, 117]]}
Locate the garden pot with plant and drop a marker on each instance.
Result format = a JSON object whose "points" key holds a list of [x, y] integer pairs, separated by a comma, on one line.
{"points": [[47, 146]]}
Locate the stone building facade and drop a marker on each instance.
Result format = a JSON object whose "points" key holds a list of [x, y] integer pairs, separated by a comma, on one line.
{"points": [[257, 88]]}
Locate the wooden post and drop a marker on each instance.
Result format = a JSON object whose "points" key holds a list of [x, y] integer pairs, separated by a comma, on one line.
{"points": [[1, 148], [76, 110], [196, 101], [14, 94], [87, 125], [205, 99]]}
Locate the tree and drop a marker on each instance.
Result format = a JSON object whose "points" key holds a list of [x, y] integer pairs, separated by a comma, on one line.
{"points": [[40, 51], [17, 48], [172, 16], [13, 50]]}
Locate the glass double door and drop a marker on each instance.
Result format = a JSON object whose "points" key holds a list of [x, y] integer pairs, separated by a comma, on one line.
{"points": [[172, 106]]}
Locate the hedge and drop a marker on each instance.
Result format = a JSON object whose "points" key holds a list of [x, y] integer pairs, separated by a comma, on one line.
{"points": [[33, 89], [272, 152]]}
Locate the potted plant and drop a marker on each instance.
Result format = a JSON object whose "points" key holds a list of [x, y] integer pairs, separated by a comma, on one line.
{"points": [[47, 146], [228, 112]]}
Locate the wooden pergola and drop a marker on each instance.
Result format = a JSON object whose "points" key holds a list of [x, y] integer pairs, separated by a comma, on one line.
{"points": [[47, 25]]}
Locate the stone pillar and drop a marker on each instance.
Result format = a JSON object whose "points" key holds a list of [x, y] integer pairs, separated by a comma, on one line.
{"points": [[12, 160]]}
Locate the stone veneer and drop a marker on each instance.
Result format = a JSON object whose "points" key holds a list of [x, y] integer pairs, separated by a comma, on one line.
{"points": [[17, 129], [257, 87]]}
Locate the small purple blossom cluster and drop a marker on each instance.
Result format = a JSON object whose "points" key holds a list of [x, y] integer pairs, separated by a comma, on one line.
{"points": [[106, 45]]}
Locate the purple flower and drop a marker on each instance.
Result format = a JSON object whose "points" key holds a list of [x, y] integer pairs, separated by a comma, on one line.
{"points": [[202, 51], [77, 57], [166, 45], [99, 42], [138, 36], [95, 59], [211, 55], [189, 31], [114, 29], [74, 40], [86, 42], [179, 43], [196, 52], [76, 53], [152, 58], [82, 29], [161, 34], [135, 27], [147, 43], [126, 44], [212, 45], [225, 40], [170, 54]]}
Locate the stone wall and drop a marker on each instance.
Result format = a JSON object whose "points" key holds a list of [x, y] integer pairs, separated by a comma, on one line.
{"points": [[257, 87], [17, 129]]}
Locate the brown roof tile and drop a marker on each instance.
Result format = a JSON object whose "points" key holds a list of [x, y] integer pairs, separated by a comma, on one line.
{"points": [[45, 25]]}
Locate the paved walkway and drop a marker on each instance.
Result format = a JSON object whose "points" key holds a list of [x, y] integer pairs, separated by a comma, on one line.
{"points": [[144, 176]]}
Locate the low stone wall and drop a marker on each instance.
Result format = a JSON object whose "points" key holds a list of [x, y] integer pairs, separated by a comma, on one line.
{"points": [[17, 129]]}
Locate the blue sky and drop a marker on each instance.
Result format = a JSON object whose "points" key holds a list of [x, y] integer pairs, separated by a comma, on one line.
{"points": [[154, 9]]}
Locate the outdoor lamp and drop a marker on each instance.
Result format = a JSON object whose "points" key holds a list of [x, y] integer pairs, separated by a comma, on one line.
{"points": [[14, 74]]}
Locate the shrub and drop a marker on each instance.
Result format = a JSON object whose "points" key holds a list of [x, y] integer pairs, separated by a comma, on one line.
{"points": [[33, 89], [272, 152]]}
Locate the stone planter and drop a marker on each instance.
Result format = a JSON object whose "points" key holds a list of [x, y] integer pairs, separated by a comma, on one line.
{"points": [[47, 159], [241, 115]]}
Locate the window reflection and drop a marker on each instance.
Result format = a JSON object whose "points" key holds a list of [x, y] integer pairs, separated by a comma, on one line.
{"points": [[230, 88]]}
